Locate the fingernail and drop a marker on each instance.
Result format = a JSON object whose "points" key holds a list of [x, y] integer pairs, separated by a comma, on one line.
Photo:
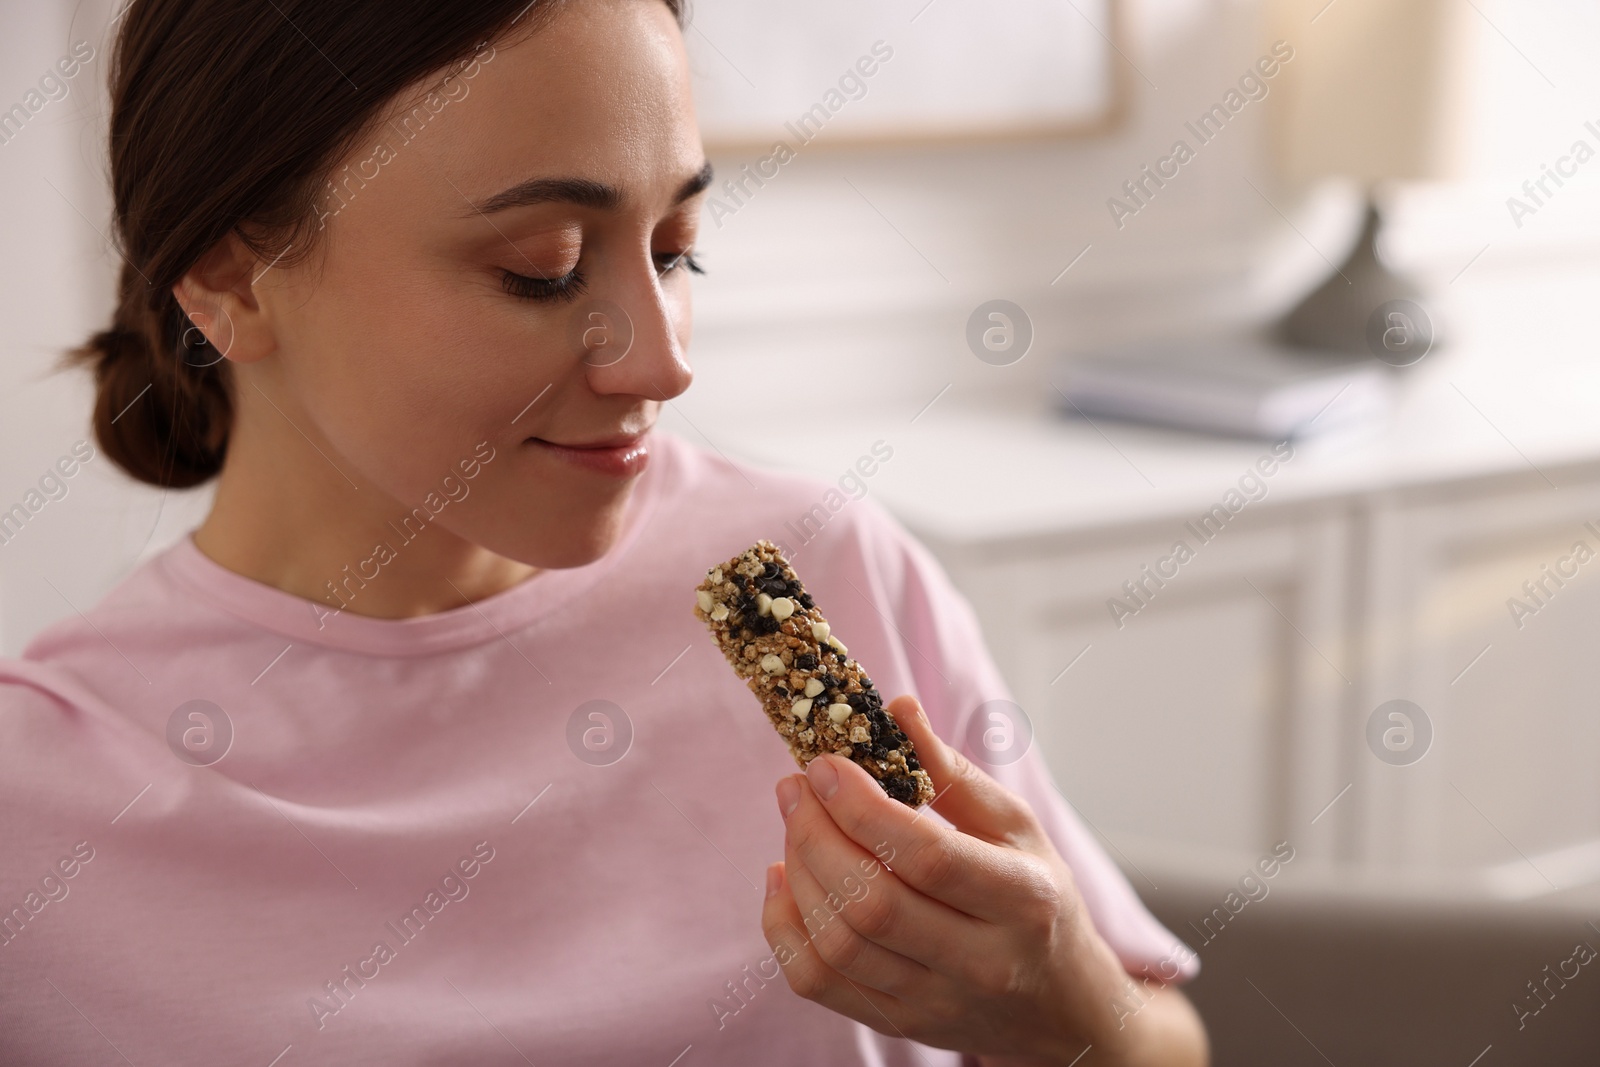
{"points": [[774, 879], [788, 795], [824, 778]]}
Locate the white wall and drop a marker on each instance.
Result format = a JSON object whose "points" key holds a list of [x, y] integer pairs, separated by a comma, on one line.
{"points": [[813, 273]]}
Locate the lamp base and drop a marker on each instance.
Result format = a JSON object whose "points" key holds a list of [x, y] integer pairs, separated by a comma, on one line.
{"points": [[1363, 307]]}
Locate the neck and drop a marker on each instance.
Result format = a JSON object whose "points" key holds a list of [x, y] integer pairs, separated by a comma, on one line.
{"points": [[320, 532]]}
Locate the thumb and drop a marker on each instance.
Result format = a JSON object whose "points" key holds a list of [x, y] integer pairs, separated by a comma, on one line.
{"points": [[974, 803]]}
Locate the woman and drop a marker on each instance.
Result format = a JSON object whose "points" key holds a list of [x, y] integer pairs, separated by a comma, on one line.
{"points": [[414, 753]]}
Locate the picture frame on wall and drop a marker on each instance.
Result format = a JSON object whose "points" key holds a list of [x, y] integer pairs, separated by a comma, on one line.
{"points": [[888, 71]]}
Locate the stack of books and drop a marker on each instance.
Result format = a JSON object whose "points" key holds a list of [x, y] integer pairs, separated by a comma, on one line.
{"points": [[1241, 387]]}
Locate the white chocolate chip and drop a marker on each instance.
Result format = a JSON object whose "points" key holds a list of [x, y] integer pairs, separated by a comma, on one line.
{"points": [[763, 604], [837, 645], [703, 598], [719, 612], [800, 708], [820, 631], [716, 576], [772, 664], [813, 687], [782, 608], [838, 713]]}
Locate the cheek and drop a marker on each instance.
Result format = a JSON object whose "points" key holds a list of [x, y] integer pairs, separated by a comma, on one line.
{"points": [[403, 375], [385, 354]]}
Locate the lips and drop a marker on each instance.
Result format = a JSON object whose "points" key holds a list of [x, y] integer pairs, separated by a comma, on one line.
{"points": [[616, 440], [621, 455]]}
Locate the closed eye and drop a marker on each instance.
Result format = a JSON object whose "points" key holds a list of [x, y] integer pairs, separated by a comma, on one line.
{"points": [[572, 284], [566, 287], [667, 262]]}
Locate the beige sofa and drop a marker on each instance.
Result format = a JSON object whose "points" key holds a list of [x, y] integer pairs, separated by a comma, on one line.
{"points": [[1316, 979]]}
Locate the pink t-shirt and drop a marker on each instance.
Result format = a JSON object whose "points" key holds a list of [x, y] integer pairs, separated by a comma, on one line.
{"points": [[401, 857]]}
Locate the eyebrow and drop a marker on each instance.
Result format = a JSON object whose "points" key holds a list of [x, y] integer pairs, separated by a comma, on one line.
{"points": [[584, 192]]}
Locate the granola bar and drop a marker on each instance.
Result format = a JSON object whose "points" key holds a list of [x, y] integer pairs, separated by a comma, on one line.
{"points": [[817, 697]]}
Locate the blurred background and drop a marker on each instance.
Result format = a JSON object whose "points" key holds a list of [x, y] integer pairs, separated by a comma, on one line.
{"points": [[1303, 286]]}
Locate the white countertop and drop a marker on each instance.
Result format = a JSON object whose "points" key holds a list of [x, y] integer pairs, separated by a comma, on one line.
{"points": [[1518, 390]]}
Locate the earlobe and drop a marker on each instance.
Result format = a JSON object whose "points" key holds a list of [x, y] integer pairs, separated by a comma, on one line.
{"points": [[208, 339]]}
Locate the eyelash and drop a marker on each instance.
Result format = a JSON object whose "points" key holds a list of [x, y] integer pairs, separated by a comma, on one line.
{"points": [[523, 287], [570, 285]]}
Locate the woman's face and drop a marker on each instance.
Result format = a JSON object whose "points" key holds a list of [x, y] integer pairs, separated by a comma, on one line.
{"points": [[504, 262]]}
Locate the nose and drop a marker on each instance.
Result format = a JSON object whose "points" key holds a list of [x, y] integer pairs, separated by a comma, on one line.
{"points": [[632, 340]]}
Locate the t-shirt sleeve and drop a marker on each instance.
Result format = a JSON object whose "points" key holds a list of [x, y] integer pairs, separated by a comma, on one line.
{"points": [[955, 676]]}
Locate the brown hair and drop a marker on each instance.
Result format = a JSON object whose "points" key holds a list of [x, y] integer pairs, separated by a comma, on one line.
{"points": [[226, 117]]}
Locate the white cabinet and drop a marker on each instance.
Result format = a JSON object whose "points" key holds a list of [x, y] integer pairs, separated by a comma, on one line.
{"points": [[1232, 710], [1211, 717], [1510, 788]]}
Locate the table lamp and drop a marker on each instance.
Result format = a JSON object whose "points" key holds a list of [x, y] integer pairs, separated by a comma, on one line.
{"points": [[1375, 93]]}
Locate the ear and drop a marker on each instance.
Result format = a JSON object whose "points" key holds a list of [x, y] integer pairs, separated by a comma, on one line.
{"points": [[218, 296]]}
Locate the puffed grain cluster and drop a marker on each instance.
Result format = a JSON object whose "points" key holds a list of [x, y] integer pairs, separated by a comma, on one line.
{"points": [[817, 697]]}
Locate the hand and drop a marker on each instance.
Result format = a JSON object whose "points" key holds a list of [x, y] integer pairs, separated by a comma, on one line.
{"points": [[973, 938]]}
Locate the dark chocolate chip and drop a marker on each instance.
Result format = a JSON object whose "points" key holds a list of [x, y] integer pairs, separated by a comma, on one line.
{"points": [[751, 618], [866, 702], [805, 662], [900, 789]]}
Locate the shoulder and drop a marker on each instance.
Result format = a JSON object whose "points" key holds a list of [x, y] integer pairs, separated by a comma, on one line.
{"points": [[33, 696], [824, 518], [56, 738], [141, 611], [88, 690], [885, 592], [700, 474], [45, 708]]}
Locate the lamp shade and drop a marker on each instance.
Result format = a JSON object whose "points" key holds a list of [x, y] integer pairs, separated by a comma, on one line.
{"points": [[1376, 89]]}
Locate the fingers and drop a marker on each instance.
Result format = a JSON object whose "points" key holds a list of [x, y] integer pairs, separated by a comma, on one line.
{"points": [[878, 905], [827, 921], [953, 868], [973, 802], [804, 969]]}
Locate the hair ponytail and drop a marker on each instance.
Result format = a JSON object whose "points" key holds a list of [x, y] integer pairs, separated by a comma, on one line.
{"points": [[163, 407]]}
